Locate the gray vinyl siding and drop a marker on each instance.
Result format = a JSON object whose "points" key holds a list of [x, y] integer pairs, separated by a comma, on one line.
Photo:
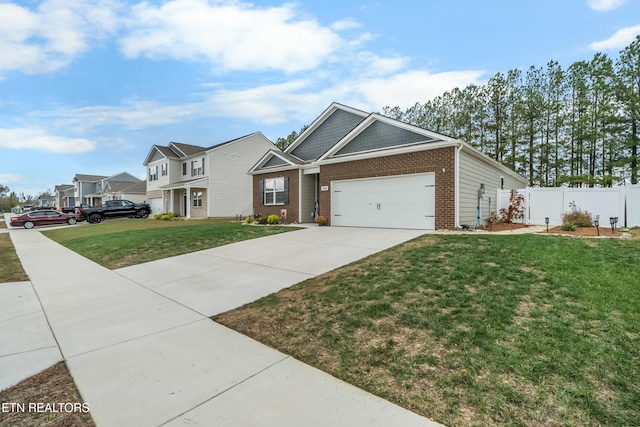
{"points": [[156, 156], [308, 197], [230, 185], [381, 135], [473, 172], [274, 161], [332, 130]]}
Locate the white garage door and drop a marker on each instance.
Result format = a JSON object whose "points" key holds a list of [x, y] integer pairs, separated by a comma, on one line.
{"points": [[403, 201], [156, 205]]}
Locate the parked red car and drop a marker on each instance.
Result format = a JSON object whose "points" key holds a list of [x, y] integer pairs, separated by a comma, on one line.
{"points": [[42, 217]]}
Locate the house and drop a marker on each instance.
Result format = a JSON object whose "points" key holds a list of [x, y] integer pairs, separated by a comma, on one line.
{"points": [[46, 201], [364, 169], [96, 189], [64, 195], [199, 182]]}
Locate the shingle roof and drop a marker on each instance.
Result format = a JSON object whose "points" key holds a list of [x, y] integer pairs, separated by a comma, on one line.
{"points": [[182, 150], [91, 178], [166, 151]]}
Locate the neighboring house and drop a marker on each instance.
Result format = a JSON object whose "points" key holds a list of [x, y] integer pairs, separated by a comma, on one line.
{"points": [[200, 182], [368, 170], [96, 189], [46, 201], [64, 195]]}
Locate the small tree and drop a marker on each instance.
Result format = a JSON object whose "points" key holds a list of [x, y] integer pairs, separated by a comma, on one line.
{"points": [[515, 211]]}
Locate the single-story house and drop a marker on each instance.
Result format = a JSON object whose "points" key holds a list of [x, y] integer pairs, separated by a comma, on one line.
{"points": [[200, 182], [364, 169]]}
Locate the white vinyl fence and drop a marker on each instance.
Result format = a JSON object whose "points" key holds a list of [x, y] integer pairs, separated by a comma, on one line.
{"points": [[621, 202], [633, 206]]}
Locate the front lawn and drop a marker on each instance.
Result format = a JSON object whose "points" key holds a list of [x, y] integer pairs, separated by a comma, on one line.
{"points": [[10, 267], [474, 330], [120, 243]]}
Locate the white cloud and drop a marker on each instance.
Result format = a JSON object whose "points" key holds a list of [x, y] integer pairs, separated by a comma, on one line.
{"points": [[605, 5], [50, 37], [8, 178], [345, 24], [130, 115], [619, 40], [34, 139], [230, 35], [277, 103], [405, 89]]}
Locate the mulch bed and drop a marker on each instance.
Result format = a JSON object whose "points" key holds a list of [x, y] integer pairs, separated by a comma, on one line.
{"points": [[580, 231]]}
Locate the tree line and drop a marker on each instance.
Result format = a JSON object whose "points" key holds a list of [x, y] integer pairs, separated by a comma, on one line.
{"points": [[575, 126], [10, 199]]}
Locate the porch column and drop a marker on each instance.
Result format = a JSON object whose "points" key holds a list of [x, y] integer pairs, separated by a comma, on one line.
{"points": [[188, 190]]}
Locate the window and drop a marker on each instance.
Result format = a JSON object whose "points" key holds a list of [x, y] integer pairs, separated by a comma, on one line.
{"points": [[276, 191], [197, 167], [153, 173], [165, 169], [197, 199]]}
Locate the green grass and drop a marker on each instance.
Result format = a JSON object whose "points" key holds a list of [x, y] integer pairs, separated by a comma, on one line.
{"points": [[10, 267], [474, 330], [120, 243]]}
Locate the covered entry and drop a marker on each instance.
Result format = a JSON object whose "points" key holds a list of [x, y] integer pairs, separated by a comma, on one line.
{"points": [[401, 201]]}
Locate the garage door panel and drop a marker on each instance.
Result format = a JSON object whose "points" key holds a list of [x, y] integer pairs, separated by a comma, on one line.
{"points": [[404, 201]]}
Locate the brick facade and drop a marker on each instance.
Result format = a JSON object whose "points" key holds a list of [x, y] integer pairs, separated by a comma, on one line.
{"points": [[401, 164], [291, 207]]}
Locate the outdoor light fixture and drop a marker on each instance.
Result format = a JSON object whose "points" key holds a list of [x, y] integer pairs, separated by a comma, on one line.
{"points": [[612, 221], [479, 222], [596, 222], [546, 221]]}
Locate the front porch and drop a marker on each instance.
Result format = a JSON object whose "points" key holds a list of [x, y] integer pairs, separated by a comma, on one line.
{"points": [[188, 199]]}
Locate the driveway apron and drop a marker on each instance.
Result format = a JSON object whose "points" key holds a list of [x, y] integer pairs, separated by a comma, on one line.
{"points": [[143, 352]]}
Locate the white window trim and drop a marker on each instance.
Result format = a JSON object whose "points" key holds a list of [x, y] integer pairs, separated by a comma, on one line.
{"points": [[274, 192]]}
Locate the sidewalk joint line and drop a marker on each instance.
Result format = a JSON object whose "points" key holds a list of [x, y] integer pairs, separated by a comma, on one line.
{"points": [[286, 357]]}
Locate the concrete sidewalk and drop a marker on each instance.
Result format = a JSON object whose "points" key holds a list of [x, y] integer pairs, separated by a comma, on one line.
{"points": [[142, 351]]}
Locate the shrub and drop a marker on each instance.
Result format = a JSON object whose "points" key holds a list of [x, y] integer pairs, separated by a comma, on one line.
{"points": [[164, 216], [577, 217], [515, 210], [568, 227], [249, 220], [273, 219], [321, 220], [262, 221]]}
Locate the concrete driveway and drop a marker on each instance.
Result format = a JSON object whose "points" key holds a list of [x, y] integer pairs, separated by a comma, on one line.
{"points": [[220, 279], [142, 351]]}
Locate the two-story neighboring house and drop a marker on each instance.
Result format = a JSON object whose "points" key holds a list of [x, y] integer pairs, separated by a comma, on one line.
{"points": [[64, 195], [95, 189], [200, 182]]}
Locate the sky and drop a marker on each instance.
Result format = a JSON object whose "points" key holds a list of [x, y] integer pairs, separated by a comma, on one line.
{"points": [[89, 86]]}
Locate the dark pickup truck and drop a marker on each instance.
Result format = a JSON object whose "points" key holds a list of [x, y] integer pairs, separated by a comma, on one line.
{"points": [[114, 209], [72, 209]]}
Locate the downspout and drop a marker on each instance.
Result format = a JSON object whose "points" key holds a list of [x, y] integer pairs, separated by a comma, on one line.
{"points": [[457, 186], [299, 196]]}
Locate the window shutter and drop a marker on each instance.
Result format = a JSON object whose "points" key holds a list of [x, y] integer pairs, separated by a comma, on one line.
{"points": [[261, 191], [203, 166], [184, 168], [286, 190]]}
